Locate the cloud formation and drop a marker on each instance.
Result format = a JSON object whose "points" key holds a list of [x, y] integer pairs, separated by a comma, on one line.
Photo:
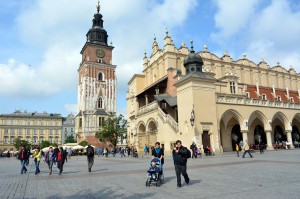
{"points": [[58, 31], [264, 31]]}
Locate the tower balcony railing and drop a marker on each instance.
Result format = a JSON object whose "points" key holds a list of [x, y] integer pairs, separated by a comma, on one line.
{"points": [[242, 100]]}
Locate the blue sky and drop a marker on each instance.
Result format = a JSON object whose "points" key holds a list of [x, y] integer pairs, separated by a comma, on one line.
{"points": [[41, 40]]}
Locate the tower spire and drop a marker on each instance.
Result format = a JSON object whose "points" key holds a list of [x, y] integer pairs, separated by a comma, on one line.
{"points": [[192, 47], [98, 7]]}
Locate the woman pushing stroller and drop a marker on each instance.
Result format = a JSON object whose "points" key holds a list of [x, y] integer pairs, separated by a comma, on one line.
{"points": [[159, 153]]}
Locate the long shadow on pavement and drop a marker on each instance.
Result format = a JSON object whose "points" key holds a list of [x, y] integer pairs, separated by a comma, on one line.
{"points": [[104, 193]]}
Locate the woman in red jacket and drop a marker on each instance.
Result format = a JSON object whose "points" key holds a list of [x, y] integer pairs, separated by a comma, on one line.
{"points": [[60, 160]]}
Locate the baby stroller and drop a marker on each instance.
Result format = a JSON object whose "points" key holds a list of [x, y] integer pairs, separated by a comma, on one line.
{"points": [[154, 175]]}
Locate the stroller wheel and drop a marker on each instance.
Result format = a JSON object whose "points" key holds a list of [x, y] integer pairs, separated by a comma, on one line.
{"points": [[147, 183]]}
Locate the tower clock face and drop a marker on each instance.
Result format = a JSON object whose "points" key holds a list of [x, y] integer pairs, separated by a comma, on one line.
{"points": [[100, 52]]}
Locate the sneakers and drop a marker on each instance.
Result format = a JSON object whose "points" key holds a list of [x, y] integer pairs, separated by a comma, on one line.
{"points": [[178, 186]]}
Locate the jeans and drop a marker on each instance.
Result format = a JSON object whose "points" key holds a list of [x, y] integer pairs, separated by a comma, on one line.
{"points": [[247, 151], [37, 166], [50, 164], [237, 153], [179, 169], [90, 162], [23, 167]]}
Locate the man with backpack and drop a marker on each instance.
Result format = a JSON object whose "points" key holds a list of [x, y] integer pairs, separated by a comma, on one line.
{"points": [[180, 156], [90, 153]]}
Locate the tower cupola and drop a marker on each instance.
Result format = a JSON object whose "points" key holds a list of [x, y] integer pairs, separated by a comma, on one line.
{"points": [[97, 34]]}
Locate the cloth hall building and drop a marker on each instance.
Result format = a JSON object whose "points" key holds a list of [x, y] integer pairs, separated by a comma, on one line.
{"points": [[210, 100]]}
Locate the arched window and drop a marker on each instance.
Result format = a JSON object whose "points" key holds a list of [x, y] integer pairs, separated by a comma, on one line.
{"points": [[100, 103], [100, 77]]}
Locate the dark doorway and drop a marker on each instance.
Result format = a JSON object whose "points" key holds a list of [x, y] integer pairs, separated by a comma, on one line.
{"points": [[236, 135], [259, 135], [279, 136], [295, 134], [205, 139]]}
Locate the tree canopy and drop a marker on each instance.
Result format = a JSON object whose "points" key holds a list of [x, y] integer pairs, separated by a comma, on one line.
{"points": [[70, 139], [83, 143], [18, 143], [113, 129]]}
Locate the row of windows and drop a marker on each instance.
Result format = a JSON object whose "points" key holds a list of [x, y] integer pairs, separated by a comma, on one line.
{"points": [[28, 131], [66, 130], [34, 140], [28, 123], [100, 121], [278, 98]]}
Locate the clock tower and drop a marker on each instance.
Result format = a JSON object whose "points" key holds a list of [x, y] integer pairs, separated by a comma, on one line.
{"points": [[97, 82]]}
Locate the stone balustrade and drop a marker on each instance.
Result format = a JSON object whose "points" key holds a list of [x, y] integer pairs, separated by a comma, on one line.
{"points": [[229, 99]]}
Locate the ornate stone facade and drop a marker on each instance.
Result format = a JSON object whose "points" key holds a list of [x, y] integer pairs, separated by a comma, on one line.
{"points": [[232, 101]]}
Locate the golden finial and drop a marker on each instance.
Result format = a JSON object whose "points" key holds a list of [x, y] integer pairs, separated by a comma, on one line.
{"points": [[98, 6]]}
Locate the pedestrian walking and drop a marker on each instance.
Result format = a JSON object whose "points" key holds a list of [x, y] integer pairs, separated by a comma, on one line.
{"points": [[50, 158], [90, 157], [246, 149], [159, 153], [261, 147], [65, 151], [99, 151], [180, 156], [128, 151], [145, 150], [37, 158], [60, 160], [193, 147], [122, 152], [237, 148], [23, 156]]}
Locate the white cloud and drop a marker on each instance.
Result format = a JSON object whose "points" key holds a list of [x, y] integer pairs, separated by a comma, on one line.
{"points": [[232, 17], [264, 31], [59, 29], [71, 108]]}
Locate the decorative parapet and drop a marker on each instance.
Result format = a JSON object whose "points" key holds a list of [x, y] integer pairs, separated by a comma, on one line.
{"points": [[241, 100], [145, 109]]}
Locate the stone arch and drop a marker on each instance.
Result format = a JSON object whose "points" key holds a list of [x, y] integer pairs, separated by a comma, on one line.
{"points": [[230, 121], [257, 124], [280, 124], [231, 113], [141, 128], [151, 125], [151, 130], [283, 118], [296, 128]]}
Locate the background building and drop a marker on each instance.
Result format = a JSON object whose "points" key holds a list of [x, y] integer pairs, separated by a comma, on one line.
{"points": [[32, 127], [97, 82], [68, 127], [213, 101]]}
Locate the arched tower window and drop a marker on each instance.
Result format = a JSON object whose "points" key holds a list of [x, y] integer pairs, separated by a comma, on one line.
{"points": [[100, 103], [100, 77]]}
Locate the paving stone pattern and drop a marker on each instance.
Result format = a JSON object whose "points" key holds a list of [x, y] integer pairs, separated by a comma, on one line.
{"points": [[275, 174]]}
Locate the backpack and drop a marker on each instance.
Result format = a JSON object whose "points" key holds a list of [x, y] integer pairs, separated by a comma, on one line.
{"points": [[188, 154], [90, 152]]}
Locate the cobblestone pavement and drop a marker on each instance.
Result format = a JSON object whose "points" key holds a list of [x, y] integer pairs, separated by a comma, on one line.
{"points": [[275, 174]]}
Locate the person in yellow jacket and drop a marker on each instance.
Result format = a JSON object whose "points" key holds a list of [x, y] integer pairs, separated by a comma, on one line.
{"points": [[237, 148], [37, 159], [246, 149]]}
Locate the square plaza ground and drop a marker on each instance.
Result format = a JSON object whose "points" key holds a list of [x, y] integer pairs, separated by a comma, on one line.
{"points": [[275, 174]]}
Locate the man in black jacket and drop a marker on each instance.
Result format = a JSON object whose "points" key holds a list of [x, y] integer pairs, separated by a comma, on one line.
{"points": [[180, 156]]}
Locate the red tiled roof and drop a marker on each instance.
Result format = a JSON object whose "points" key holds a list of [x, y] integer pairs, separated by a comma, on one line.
{"points": [[269, 93]]}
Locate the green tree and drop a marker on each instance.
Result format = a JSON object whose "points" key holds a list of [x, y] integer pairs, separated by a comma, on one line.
{"points": [[113, 129], [45, 144], [18, 143], [54, 144], [70, 139], [83, 143]]}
